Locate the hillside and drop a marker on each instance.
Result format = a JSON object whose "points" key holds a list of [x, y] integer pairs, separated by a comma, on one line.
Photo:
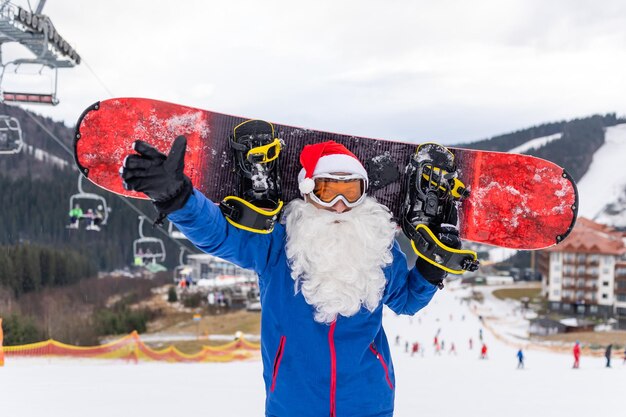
{"points": [[36, 188], [38, 252], [603, 187], [37, 184], [591, 149], [572, 144]]}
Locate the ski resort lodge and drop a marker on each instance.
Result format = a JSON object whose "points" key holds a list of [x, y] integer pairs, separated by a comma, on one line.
{"points": [[586, 274], [210, 273]]}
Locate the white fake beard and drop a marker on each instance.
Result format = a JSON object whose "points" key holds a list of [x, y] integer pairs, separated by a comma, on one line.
{"points": [[337, 260]]}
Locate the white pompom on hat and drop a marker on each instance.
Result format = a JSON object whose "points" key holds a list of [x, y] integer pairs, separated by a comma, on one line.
{"points": [[326, 158]]}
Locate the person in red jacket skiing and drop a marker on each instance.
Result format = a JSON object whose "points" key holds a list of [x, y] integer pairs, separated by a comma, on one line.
{"points": [[483, 352], [416, 347], [576, 352], [325, 272]]}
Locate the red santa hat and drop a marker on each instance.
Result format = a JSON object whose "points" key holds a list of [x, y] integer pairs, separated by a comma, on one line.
{"points": [[326, 158]]}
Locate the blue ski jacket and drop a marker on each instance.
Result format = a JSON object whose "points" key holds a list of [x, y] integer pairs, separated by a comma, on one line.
{"points": [[309, 368]]}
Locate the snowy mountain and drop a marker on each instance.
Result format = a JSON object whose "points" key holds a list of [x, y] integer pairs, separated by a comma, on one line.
{"points": [[602, 188], [535, 143]]}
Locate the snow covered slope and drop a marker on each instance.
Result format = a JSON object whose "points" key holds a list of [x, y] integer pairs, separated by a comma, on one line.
{"points": [[445, 385], [535, 143], [45, 157], [603, 188]]}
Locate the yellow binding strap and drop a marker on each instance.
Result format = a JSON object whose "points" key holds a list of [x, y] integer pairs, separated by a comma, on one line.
{"points": [[462, 253], [457, 189], [265, 153], [248, 216]]}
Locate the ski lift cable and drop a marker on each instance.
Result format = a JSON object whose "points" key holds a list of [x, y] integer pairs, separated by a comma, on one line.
{"points": [[69, 151], [125, 200], [83, 61]]}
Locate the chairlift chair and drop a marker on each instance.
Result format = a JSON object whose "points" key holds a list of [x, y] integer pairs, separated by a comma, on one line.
{"points": [[10, 135], [36, 32], [90, 200], [33, 97], [144, 244]]}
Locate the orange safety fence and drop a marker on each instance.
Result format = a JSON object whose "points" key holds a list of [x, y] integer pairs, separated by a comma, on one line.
{"points": [[131, 347]]}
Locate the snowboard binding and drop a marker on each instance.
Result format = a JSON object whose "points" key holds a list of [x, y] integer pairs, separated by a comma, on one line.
{"points": [[256, 151], [433, 191]]}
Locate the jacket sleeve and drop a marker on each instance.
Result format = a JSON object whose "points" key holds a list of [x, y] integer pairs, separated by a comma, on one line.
{"points": [[202, 222], [407, 291]]}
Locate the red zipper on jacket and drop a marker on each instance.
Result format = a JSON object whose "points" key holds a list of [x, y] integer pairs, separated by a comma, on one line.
{"points": [[277, 359], [382, 361], [333, 367]]}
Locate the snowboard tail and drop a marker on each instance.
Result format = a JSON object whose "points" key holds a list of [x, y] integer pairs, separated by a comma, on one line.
{"points": [[516, 201]]}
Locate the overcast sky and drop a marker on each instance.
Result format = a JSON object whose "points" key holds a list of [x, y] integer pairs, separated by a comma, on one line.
{"points": [[447, 70]]}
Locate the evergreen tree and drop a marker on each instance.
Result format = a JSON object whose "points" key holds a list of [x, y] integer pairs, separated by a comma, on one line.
{"points": [[19, 330]]}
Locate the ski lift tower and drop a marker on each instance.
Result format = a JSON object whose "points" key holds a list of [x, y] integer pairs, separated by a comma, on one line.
{"points": [[35, 31]]}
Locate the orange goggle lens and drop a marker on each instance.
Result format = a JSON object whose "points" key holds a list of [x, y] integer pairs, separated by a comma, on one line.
{"points": [[327, 189]]}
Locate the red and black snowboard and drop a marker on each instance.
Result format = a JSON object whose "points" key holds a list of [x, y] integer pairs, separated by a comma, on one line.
{"points": [[516, 201]]}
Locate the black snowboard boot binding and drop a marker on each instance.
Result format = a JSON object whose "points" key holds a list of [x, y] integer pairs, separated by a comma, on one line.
{"points": [[256, 151], [429, 211]]}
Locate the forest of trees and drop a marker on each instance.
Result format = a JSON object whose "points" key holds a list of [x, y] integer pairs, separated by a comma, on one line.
{"points": [[35, 210], [574, 151], [502, 143], [26, 268], [79, 313], [47, 271]]}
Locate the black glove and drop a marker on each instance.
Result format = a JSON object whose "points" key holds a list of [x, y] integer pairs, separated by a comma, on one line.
{"points": [[449, 236], [158, 176]]}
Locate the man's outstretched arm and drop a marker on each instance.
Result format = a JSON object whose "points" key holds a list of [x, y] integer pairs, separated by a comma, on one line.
{"points": [[410, 290], [161, 177], [202, 222]]}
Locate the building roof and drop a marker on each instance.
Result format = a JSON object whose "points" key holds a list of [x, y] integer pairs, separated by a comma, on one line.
{"points": [[591, 237], [546, 322], [576, 322]]}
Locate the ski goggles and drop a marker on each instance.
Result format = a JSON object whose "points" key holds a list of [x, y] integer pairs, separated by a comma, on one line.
{"points": [[331, 188]]}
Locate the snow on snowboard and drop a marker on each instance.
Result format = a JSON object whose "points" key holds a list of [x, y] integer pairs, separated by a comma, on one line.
{"points": [[515, 201]]}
